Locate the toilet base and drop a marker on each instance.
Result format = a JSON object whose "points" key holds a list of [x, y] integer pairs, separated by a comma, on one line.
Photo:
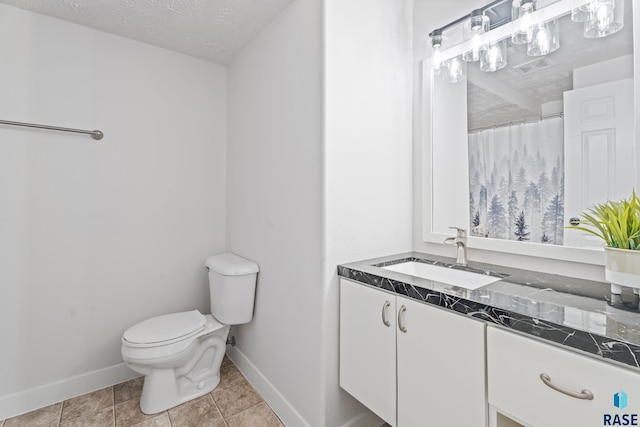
{"points": [[165, 388], [160, 391]]}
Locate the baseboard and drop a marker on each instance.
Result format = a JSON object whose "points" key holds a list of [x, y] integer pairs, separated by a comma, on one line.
{"points": [[280, 405], [35, 398]]}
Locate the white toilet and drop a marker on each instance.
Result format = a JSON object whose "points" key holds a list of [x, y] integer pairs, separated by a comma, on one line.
{"points": [[180, 354]]}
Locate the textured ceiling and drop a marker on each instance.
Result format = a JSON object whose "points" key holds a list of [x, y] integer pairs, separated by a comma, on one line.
{"points": [[215, 30]]}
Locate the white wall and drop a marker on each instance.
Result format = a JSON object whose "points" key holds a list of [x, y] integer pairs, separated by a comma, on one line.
{"points": [[603, 72], [367, 154], [304, 197], [96, 236], [429, 15], [274, 208]]}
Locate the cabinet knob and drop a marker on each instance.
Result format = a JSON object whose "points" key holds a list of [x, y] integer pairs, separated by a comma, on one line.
{"points": [[385, 314], [401, 318]]}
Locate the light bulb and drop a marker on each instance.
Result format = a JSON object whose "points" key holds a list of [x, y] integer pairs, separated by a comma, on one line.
{"points": [[545, 39], [603, 15], [475, 46], [437, 61]]}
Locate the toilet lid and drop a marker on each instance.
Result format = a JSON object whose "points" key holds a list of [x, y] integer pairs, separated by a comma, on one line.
{"points": [[169, 327]]}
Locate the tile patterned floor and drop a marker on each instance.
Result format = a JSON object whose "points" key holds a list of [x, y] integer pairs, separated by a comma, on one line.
{"points": [[234, 403]]}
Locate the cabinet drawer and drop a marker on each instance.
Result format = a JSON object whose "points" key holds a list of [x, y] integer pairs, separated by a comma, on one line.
{"points": [[514, 366]]}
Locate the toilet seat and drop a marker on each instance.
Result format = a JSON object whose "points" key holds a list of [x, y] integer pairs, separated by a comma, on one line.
{"points": [[165, 330], [172, 347]]}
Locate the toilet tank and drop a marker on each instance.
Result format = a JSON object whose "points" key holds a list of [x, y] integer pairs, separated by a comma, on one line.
{"points": [[232, 288]]}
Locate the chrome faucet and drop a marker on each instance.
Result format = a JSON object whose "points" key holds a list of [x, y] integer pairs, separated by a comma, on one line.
{"points": [[461, 241]]}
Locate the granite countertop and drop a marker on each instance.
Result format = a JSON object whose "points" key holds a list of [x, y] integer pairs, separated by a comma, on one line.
{"points": [[570, 312]]}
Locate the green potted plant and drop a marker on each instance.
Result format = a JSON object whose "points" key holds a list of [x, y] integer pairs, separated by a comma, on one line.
{"points": [[618, 224]]}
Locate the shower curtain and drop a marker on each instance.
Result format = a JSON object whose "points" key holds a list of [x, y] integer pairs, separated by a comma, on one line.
{"points": [[516, 182]]}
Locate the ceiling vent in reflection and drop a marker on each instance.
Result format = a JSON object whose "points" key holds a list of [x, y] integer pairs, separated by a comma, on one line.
{"points": [[533, 66]]}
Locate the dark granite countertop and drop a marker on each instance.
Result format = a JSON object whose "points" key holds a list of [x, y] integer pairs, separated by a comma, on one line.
{"points": [[566, 311]]}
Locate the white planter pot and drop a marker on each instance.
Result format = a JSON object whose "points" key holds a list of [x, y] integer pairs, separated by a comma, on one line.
{"points": [[622, 268]]}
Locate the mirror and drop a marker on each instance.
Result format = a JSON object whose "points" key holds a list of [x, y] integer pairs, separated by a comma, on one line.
{"points": [[515, 153]]}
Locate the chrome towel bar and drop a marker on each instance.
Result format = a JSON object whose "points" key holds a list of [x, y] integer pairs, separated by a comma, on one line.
{"points": [[95, 134]]}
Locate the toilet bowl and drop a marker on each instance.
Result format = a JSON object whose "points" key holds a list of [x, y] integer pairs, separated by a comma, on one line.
{"points": [[180, 354]]}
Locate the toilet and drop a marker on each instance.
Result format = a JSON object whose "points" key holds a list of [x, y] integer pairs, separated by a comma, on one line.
{"points": [[180, 353]]}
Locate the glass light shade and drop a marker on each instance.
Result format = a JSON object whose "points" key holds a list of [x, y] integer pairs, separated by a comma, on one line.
{"points": [[523, 22], [581, 10], [455, 70], [545, 39], [493, 57], [606, 17], [437, 61], [474, 27]]}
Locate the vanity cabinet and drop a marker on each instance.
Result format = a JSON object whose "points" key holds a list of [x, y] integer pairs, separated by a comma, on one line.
{"points": [[541, 385], [410, 363]]}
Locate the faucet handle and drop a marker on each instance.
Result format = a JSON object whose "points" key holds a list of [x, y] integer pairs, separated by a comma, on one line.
{"points": [[460, 232]]}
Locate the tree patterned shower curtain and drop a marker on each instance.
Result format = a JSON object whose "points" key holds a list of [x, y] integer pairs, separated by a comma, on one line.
{"points": [[516, 175]]}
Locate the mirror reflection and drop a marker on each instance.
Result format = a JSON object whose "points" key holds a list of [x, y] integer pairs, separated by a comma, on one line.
{"points": [[548, 118]]}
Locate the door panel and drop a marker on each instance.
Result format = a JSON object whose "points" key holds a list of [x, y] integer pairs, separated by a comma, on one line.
{"points": [[441, 362], [599, 150], [368, 347]]}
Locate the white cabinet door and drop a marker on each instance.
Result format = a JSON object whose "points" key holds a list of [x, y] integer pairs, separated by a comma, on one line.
{"points": [[545, 386], [441, 368], [368, 347]]}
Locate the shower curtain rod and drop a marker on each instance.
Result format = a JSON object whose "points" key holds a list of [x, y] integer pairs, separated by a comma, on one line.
{"points": [[517, 122], [95, 134]]}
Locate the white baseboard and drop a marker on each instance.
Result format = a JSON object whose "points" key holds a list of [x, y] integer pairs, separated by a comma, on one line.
{"points": [[35, 398], [281, 406]]}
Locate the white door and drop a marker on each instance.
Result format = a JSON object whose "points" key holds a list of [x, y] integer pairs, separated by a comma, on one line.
{"points": [[441, 368], [368, 347], [599, 150]]}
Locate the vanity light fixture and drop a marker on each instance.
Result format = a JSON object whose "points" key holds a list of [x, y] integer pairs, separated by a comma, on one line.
{"points": [[474, 27], [522, 21], [601, 18]]}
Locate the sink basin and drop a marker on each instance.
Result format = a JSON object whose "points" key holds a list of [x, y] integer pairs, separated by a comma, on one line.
{"points": [[450, 276]]}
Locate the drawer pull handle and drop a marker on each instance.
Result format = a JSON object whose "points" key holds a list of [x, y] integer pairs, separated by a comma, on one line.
{"points": [[584, 394], [385, 313], [400, 318]]}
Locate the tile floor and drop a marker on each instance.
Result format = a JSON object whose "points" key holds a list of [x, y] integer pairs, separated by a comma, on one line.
{"points": [[234, 403]]}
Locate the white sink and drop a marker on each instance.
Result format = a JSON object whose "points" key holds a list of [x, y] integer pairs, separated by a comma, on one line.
{"points": [[464, 279]]}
